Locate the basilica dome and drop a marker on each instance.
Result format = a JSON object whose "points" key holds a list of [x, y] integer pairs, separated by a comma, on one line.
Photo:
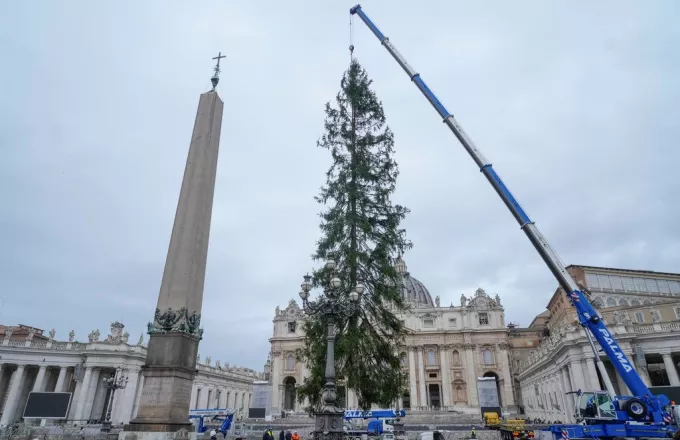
{"points": [[414, 293]]}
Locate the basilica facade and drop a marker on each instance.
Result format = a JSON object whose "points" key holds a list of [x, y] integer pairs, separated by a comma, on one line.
{"points": [[446, 349]]}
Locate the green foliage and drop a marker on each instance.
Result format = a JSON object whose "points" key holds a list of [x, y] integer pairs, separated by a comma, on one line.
{"points": [[360, 231]]}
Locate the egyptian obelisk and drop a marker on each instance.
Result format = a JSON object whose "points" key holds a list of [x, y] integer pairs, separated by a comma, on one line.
{"points": [[175, 331]]}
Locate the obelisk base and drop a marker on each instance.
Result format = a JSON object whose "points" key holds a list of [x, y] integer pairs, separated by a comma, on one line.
{"points": [[164, 403], [329, 424]]}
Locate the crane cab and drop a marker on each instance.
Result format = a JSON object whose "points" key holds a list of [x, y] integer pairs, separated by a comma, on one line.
{"points": [[594, 405]]}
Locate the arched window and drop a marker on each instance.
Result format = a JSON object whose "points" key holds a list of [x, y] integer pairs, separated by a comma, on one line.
{"points": [[487, 356], [623, 302], [290, 362], [646, 302], [635, 302], [456, 357], [611, 302], [431, 357]]}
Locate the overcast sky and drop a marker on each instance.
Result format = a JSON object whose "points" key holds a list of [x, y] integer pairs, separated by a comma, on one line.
{"points": [[575, 103]]}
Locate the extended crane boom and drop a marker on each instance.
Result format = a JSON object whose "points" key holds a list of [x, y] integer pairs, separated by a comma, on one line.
{"points": [[587, 315]]}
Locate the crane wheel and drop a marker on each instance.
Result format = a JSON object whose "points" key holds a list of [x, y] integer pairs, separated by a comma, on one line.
{"points": [[636, 409]]}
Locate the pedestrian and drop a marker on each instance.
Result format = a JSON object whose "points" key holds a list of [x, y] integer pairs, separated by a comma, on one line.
{"points": [[473, 434], [268, 434], [213, 435], [289, 436], [296, 436], [282, 435]]}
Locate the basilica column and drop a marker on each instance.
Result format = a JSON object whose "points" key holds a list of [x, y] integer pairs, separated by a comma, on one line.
{"points": [[507, 377], [412, 379], [421, 378], [445, 360], [471, 375], [670, 369]]}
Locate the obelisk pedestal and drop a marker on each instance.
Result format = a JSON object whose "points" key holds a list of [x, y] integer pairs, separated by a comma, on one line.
{"points": [[170, 368]]}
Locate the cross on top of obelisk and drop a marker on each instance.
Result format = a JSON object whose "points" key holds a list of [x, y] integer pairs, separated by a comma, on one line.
{"points": [[216, 77]]}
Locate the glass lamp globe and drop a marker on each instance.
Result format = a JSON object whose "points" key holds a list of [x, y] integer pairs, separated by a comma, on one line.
{"points": [[304, 294], [354, 296], [336, 282]]}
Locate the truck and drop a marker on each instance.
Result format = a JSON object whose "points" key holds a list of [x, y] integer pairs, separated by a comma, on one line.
{"points": [[219, 419], [640, 415], [381, 426]]}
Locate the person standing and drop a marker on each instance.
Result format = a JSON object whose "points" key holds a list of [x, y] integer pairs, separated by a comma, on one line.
{"points": [[289, 436], [268, 434], [282, 435]]}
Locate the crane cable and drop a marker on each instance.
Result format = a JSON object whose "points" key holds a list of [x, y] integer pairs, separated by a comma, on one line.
{"points": [[351, 38]]}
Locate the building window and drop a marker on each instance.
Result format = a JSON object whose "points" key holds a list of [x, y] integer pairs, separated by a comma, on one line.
{"points": [[292, 326], [628, 284], [218, 398], [453, 322], [640, 285], [635, 302], [663, 287], [431, 357], [517, 363], [456, 356], [639, 317], [404, 361], [483, 318], [677, 312], [487, 357], [616, 282], [209, 398], [591, 279], [675, 287], [611, 302], [603, 281], [290, 362], [623, 302], [428, 323], [433, 375], [651, 285]]}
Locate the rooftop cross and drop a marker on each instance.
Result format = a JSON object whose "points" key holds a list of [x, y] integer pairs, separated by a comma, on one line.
{"points": [[216, 77]]}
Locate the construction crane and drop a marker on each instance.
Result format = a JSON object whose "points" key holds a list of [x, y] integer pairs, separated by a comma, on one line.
{"points": [[640, 415]]}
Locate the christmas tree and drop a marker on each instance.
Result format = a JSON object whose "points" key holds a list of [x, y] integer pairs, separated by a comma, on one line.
{"points": [[361, 232]]}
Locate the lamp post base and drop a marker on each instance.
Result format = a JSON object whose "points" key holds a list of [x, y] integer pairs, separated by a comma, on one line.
{"points": [[329, 424], [106, 426]]}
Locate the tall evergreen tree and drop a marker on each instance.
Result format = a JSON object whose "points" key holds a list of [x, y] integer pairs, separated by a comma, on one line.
{"points": [[361, 232]]}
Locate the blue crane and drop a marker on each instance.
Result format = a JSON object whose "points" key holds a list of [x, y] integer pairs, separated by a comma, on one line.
{"points": [[628, 411]]}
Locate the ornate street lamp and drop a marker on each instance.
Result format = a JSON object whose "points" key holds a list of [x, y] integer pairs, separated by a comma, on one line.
{"points": [[333, 305], [114, 382]]}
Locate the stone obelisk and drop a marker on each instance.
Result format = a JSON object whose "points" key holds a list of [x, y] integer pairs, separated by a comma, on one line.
{"points": [[175, 331]]}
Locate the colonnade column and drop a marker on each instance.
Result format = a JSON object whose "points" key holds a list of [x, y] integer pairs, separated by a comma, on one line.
{"points": [[16, 385], [670, 369], [592, 374], [61, 380], [83, 394]]}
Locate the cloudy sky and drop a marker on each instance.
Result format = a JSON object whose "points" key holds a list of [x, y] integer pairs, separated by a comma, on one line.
{"points": [[576, 104]]}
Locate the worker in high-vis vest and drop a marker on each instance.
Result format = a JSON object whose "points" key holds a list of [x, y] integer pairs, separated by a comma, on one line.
{"points": [[473, 434]]}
